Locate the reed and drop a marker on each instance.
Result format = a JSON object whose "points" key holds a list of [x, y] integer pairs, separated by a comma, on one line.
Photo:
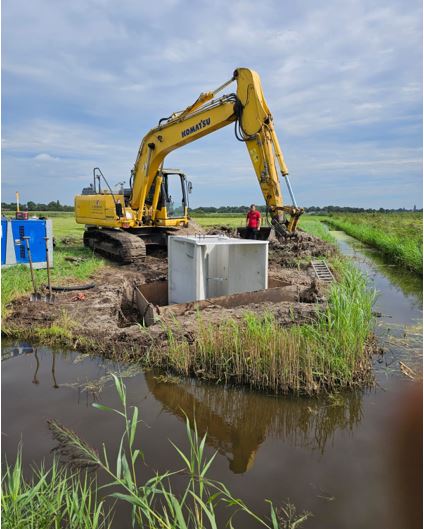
{"points": [[52, 498], [257, 351]]}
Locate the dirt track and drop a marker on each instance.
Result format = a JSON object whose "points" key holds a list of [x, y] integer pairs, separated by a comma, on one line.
{"points": [[106, 318]]}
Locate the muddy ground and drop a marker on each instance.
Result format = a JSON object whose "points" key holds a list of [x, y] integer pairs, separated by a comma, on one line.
{"points": [[105, 318]]}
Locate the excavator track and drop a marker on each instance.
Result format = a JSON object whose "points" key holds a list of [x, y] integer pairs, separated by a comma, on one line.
{"points": [[117, 245]]}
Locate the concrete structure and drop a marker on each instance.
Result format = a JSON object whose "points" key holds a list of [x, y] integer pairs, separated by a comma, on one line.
{"points": [[13, 246], [207, 266]]}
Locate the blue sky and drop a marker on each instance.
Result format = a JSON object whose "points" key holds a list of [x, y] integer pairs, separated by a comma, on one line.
{"points": [[83, 81]]}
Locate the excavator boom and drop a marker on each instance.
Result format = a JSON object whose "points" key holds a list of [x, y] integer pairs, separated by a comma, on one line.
{"points": [[146, 207]]}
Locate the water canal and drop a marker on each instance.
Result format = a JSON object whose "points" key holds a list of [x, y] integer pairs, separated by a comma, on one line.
{"points": [[332, 457]]}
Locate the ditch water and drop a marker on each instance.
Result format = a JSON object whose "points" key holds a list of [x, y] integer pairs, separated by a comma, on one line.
{"points": [[333, 458]]}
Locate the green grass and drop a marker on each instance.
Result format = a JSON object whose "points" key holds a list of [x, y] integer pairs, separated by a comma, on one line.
{"points": [[397, 235], [16, 280], [235, 220], [313, 225], [55, 499], [52, 498], [257, 351]]}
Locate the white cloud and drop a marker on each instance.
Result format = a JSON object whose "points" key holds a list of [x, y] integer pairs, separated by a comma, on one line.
{"points": [[44, 157]]}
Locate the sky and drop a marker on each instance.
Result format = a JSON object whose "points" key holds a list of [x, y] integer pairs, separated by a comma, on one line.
{"points": [[83, 81]]}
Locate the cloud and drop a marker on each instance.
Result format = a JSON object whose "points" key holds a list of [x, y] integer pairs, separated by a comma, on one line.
{"points": [[84, 81], [44, 157]]}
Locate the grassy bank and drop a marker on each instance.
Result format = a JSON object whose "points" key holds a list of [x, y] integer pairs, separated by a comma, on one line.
{"points": [[328, 354], [58, 498], [315, 227], [72, 262], [397, 235]]}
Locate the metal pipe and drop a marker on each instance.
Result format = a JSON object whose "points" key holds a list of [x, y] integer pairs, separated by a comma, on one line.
{"points": [[28, 249], [286, 176], [222, 86]]}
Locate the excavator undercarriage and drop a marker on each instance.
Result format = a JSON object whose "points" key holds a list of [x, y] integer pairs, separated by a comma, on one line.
{"points": [[116, 245], [126, 247]]}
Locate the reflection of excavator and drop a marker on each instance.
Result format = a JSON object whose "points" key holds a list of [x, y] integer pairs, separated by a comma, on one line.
{"points": [[237, 422], [232, 435], [119, 224]]}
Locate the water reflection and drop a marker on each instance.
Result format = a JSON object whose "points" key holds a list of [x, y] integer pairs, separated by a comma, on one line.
{"points": [[37, 367], [16, 350], [238, 422], [25, 349]]}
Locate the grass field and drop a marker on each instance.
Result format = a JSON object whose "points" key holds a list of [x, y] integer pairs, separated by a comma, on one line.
{"points": [[399, 236], [235, 221]]}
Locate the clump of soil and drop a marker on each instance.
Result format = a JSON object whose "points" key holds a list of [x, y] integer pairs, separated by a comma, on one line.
{"points": [[228, 231], [192, 229], [298, 250]]}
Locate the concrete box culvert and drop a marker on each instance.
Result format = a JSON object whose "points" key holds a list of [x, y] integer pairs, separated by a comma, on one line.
{"points": [[208, 266]]}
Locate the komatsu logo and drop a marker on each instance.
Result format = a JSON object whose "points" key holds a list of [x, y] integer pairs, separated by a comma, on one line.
{"points": [[203, 123]]}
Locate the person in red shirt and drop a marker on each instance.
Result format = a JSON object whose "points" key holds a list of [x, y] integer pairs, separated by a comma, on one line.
{"points": [[253, 222]]}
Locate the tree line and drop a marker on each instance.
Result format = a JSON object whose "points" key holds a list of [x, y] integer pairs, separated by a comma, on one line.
{"points": [[312, 209], [55, 205]]}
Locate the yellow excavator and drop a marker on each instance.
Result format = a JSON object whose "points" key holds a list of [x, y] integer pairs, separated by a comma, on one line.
{"points": [[120, 224]]}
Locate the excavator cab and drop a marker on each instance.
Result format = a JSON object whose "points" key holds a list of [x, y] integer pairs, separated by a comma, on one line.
{"points": [[173, 203], [174, 193]]}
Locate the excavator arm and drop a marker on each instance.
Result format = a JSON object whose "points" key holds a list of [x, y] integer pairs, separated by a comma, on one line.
{"points": [[253, 125]]}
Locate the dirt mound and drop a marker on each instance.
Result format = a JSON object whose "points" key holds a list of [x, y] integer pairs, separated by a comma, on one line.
{"points": [[192, 229], [291, 252]]}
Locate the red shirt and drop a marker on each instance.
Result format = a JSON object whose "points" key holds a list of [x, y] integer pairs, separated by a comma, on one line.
{"points": [[253, 218]]}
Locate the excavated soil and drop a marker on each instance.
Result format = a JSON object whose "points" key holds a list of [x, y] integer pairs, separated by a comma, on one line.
{"points": [[105, 317]]}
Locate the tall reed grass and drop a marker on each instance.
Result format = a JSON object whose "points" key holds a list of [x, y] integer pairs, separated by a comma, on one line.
{"points": [[259, 352], [52, 498], [56, 499]]}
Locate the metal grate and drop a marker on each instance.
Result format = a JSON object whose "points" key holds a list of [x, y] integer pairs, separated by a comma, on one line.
{"points": [[322, 271], [22, 249]]}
